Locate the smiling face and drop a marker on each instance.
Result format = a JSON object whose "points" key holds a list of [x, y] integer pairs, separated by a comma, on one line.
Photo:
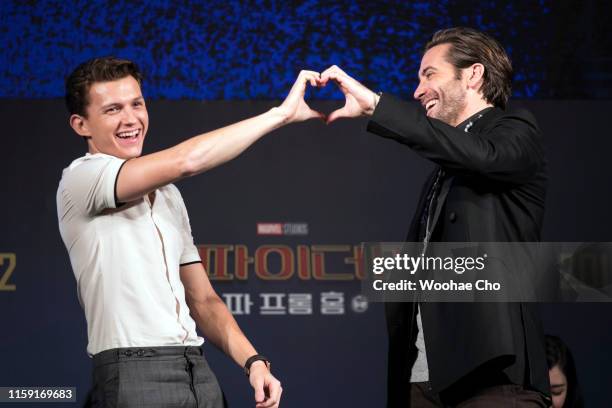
{"points": [[117, 118], [558, 386], [440, 92]]}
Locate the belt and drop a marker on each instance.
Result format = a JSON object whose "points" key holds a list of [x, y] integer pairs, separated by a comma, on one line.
{"points": [[137, 353]]}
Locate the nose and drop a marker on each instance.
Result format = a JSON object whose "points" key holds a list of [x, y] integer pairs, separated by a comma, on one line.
{"points": [[129, 117], [419, 92]]}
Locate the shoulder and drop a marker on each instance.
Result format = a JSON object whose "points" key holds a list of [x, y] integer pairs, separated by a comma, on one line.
{"points": [[90, 182], [91, 163], [518, 113], [512, 116]]}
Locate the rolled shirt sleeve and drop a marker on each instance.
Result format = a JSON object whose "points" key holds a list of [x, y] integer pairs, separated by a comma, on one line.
{"points": [[90, 183]]}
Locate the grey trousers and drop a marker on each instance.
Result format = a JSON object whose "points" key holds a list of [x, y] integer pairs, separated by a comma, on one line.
{"points": [[154, 377]]}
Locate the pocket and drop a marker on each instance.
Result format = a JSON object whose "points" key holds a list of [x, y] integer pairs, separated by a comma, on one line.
{"points": [[105, 386], [206, 385]]}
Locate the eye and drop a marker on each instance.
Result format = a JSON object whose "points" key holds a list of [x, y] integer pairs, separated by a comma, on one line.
{"points": [[137, 103], [112, 109], [556, 393]]}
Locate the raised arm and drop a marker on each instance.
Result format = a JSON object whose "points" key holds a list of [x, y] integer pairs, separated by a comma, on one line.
{"points": [[509, 151], [144, 174]]}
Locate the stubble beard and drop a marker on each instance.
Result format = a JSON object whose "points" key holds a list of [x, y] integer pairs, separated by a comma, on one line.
{"points": [[454, 103]]}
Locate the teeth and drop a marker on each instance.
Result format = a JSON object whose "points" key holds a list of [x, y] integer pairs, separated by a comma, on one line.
{"points": [[430, 104], [124, 135]]}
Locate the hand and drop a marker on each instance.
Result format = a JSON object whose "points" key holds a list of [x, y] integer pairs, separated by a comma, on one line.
{"points": [[268, 389], [360, 100], [294, 107]]}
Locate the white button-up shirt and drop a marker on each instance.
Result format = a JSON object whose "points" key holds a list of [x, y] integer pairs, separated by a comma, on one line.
{"points": [[126, 260]]}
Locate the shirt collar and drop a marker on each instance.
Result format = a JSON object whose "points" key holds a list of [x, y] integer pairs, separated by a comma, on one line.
{"points": [[469, 122]]}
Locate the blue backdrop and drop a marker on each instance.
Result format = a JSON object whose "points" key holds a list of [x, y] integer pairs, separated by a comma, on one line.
{"points": [[253, 50]]}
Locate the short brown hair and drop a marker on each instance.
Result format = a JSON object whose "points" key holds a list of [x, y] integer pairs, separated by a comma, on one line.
{"points": [[95, 70], [468, 47]]}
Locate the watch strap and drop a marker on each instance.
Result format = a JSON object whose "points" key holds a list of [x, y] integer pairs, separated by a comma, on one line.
{"points": [[251, 360]]}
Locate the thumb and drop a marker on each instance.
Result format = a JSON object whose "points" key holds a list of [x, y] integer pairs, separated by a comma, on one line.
{"points": [[338, 113], [317, 115], [260, 395]]}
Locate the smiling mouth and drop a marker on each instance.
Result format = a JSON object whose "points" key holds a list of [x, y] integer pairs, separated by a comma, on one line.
{"points": [[128, 134], [430, 104]]}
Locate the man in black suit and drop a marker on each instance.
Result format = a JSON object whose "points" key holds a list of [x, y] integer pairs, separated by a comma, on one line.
{"points": [[489, 186]]}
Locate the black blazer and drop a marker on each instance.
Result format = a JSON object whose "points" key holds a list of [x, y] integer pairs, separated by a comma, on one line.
{"points": [[494, 192]]}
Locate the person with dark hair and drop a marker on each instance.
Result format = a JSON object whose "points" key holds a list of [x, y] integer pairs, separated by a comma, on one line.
{"points": [[139, 276], [489, 185], [564, 385]]}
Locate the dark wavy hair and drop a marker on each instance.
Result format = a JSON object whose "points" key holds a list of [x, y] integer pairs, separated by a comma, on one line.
{"points": [[557, 354], [95, 70], [468, 47]]}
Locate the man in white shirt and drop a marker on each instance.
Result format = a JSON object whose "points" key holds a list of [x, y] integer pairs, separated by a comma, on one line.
{"points": [[140, 279]]}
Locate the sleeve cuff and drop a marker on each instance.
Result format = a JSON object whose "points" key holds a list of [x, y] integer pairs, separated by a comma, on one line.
{"points": [[190, 263], [117, 203]]}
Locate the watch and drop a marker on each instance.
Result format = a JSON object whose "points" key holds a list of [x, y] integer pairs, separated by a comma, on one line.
{"points": [[251, 360]]}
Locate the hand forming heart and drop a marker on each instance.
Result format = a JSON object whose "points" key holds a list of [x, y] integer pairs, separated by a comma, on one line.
{"points": [[359, 100]]}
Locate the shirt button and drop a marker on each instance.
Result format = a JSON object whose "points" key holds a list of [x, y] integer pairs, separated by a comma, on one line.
{"points": [[452, 216]]}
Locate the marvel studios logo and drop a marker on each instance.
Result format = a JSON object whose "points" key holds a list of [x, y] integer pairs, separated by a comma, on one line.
{"points": [[282, 228]]}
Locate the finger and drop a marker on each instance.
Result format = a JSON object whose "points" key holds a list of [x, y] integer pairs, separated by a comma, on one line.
{"points": [[320, 82], [268, 403], [304, 76], [275, 391], [258, 385], [327, 75], [333, 72], [341, 83], [280, 394], [276, 400], [315, 80], [338, 69], [273, 388], [333, 69], [310, 77], [299, 87], [308, 72]]}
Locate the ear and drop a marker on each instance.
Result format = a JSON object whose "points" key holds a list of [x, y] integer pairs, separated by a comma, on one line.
{"points": [[79, 124], [475, 76]]}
